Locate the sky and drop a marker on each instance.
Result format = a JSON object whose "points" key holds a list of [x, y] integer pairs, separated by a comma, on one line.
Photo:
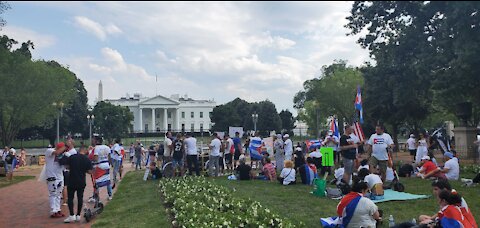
{"points": [[207, 50]]}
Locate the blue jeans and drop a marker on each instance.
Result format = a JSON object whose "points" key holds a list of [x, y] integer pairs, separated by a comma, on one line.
{"points": [[138, 162], [116, 169]]}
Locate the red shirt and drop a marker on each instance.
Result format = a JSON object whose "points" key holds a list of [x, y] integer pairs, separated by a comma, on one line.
{"points": [[429, 166], [269, 169]]}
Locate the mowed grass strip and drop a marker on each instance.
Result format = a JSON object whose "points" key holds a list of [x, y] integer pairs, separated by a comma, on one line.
{"points": [[297, 204], [136, 203], [16, 179]]}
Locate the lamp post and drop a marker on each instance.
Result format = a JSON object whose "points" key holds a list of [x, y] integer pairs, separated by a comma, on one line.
{"points": [[60, 113], [90, 119], [255, 119]]}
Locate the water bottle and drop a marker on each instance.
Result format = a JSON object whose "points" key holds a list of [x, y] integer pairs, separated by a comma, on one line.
{"points": [[391, 221], [414, 221]]}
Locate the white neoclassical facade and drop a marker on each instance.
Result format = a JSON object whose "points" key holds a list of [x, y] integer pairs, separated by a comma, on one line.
{"points": [[159, 113]]}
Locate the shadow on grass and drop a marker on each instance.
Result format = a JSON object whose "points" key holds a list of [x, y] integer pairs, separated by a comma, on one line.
{"points": [[135, 204]]}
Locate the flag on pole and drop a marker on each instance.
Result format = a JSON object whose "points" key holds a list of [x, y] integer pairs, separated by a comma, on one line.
{"points": [[358, 104], [334, 127], [357, 130]]}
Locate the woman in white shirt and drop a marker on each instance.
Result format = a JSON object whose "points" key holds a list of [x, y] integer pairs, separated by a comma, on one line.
{"points": [[287, 177], [422, 148]]}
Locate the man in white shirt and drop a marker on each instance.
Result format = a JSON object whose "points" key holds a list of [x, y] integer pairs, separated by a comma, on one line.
{"points": [[102, 166], [167, 154], [378, 147], [54, 175], [116, 156], [333, 141], [288, 148], [412, 147], [192, 154], [214, 155], [451, 167], [229, 150]]}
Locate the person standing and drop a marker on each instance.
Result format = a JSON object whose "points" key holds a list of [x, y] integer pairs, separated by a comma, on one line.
{"points": [[229, 152], [349, 152], [214, 155], [288, 147], [237, 144], [192, 154], [23, 157], [79, 165], [422, 148], [178, 155], [138, 156], [10, 163], [116, 159], [168, 148], [54, 175], [102, 166], [70, 148], [131, 152], [332, 141], [412, 148], [378, 149], [278, 151]]}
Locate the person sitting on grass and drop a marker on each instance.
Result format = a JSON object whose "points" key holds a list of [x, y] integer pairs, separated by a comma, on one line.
{"points": [[450, 214], [307, 174], [244, 172], [374, 182], [154, 171], [269, 172], [356, 210], [451, 169], [363, 164], [429, 169], [443, 185], [287, 176]]}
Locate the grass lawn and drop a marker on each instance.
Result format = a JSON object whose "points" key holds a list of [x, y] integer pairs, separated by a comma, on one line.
{"points": [[135, 204], [297, 204], [16, 179]]}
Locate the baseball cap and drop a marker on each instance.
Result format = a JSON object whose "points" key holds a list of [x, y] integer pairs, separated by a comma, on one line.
{"points": [[286, 136], [60, 145], [412, 136], [426, 157], [448, 154]]}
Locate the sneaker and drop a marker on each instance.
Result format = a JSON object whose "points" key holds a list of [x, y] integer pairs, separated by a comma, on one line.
{"points": [[109, 198], [77, 218], [71, 218]]}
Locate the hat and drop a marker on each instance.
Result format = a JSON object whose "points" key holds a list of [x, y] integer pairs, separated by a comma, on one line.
{"points": [[286, 136], [448, 154], [279, 136], [412, 136], [60, 145], [426, 157]]}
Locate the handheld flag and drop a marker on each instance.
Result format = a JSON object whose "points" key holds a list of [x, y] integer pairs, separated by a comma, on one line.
{"points": [[358, 104], [334, 127], [255, 148], [313, 144]]}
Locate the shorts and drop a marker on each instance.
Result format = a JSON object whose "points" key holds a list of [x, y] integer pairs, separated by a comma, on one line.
{"points": [[228, 158], [413, 152], [349, 165], [373, 162], [178, 163], [236, 155], [8, 168]]}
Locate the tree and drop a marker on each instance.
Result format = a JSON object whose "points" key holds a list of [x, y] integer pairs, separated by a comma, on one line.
{"points": [[268, 118], [333, 93], [112, 121], [28, 89], [288, 122], [4, 6]]}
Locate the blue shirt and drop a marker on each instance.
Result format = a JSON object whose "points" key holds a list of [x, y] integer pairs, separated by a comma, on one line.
{"points": [[237, 143]]}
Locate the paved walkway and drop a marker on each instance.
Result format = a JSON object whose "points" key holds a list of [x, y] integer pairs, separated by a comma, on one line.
{"points": [[26, 204]]}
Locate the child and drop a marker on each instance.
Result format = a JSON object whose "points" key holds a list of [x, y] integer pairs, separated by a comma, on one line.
{"points": [[154, 171]]}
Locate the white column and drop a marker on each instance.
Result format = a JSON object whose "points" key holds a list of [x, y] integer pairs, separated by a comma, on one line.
{"points": [[153, 119], [165, 125], [140, 120], [177, 121]]}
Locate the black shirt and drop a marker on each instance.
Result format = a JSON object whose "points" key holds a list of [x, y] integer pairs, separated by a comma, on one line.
{"points": [[9, 159], [178, 149], [244, 171], [345, 140], [79, 165]]}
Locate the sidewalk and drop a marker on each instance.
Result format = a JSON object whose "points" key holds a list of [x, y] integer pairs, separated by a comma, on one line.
{"points": [[26, 204]]}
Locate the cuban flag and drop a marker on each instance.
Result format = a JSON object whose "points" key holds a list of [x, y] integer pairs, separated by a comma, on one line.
{"points": [[313, 144], [451, 216], [358, 104], [255, 148], [334, 127], [102, 177]]}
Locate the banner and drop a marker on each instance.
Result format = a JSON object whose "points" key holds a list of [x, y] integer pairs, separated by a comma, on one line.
{"points": [[327, 156], [232, 130], [268, 142]]}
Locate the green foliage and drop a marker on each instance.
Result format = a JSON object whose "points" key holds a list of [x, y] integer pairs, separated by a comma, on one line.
{"points": [[196, 202], [239, 113], [4, 6], [333, 93], [29, 88], [288, 122], [112, 121]]}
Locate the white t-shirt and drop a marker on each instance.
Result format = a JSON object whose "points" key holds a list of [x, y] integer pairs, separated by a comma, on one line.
{"points": [[191, 146], [316, 154], [288, 147], [389, 175], [291, 175], [363, 215], [215, 144], [379, 145], [339, 174], [332, 144], [52, 167], [355, 139], [372, 180], [116, 149], [411, 144], [102, 152], [229, 145], [453, 169], [70, 152], [167, 151], [364, 167]]}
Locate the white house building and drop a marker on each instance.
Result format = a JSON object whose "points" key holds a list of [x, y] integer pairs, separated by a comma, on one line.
{"points": [[159, 113]]}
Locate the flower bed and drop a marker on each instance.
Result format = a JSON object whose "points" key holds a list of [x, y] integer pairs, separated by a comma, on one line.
{"points": [[196, 202]]}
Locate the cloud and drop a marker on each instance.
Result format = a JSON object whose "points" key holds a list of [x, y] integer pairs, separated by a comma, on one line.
{"points": [[41, 41], [95, 28]]}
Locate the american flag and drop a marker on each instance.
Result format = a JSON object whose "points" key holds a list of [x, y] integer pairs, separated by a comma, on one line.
{"points": [[357, 130]]}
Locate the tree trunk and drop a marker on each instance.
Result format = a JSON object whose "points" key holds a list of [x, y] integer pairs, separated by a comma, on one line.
{"points": [[395, 137]]}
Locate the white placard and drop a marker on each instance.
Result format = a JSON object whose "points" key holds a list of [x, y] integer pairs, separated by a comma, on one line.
{"points": [[232, 130]]}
